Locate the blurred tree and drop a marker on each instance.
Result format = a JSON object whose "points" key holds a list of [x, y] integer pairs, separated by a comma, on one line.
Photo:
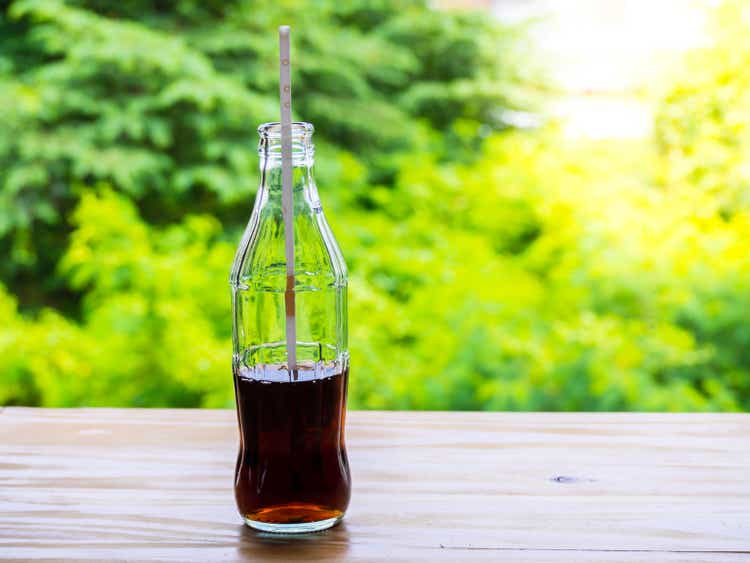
{"points": [[129, 129], [703, 139], [505, 270], [703, 128], [160, 100], [546, 276]]}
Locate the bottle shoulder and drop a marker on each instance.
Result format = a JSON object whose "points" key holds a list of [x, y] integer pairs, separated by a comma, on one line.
{"points": [[260, 258]]}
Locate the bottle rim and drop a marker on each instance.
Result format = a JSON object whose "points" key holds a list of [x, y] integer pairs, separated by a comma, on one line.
{"points": [[272, 130]]}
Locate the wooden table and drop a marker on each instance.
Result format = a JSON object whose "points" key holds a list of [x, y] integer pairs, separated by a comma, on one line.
{"points": [[104, 484]]}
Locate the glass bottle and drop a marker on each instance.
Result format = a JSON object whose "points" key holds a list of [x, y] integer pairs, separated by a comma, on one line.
{"points": [[292, 472]]}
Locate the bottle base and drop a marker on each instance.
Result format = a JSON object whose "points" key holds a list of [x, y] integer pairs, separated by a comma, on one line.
{"points": [[296, 528], [295, 518]]}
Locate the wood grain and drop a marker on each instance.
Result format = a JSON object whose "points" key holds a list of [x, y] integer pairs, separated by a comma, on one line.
{"points": [[156, 485]]}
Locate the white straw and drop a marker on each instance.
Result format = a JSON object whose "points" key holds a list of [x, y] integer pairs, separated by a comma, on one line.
{"points": [[287, 201]]}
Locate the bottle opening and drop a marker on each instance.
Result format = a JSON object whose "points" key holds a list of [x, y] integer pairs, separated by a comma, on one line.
{"points": [[269, 146], [300, 130]]}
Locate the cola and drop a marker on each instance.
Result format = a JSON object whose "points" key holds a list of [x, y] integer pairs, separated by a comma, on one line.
{"points": [[292, 467]]}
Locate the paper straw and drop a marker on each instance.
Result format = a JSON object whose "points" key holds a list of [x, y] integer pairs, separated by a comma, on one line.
{"points": [[287, 201]]}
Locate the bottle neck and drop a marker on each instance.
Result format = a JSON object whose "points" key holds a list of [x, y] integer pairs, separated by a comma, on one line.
{"points": [[304, 190], [269, 149]]}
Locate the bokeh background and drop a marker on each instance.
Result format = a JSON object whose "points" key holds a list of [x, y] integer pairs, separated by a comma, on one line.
{"points": [[544, 205]]}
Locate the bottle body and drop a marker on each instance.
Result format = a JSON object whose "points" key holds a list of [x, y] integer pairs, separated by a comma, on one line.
{"points": [[292, 472]]}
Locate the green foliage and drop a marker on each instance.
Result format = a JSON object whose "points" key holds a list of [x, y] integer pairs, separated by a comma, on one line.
{"points": [[160, 101], [702, 129], [153, 329], [489, 269], [578, 303]]}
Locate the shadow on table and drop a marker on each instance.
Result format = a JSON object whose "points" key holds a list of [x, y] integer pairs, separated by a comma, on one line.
{"points": [[325, 546]]}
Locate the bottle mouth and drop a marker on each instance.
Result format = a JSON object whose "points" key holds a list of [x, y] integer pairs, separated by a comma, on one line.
{"points": [[269, 146], [301, 130]]}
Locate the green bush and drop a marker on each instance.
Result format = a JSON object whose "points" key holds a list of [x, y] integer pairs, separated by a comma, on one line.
{"points": [[489, 268], [161, 102], [577, 303], [128, 155]]}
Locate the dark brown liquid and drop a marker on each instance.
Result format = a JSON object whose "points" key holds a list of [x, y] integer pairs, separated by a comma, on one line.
{"points": [[292, 466]]}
